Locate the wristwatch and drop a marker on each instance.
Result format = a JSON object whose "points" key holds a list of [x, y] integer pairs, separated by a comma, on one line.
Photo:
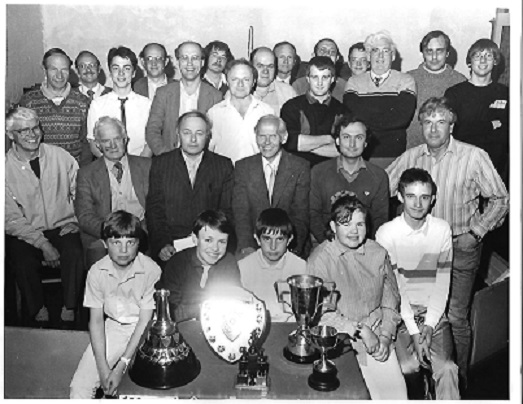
{"points": [[476, 237], [126, 362]]}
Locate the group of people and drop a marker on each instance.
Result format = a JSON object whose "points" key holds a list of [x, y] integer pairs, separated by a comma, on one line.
{"points": [[244, 172]]}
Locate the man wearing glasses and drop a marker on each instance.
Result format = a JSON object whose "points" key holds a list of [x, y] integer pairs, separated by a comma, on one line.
{"points": [[40, 224], [482, 105], [122, 103], [384, 98], [179, 97], [88, 69], [154, 60]]}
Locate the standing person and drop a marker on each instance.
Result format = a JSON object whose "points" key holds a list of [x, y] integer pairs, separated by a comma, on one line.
{"points": [[122, 103], [154, 60], [120, 287], [176, 98], [483, 105], [357, 59], [88, 68], [463, 173], [217, 55], [420, 250], [62, 110], [287, 62], [433, 76]]}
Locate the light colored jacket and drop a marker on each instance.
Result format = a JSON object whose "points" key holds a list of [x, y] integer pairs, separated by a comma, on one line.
{"points": [[34, 205]]}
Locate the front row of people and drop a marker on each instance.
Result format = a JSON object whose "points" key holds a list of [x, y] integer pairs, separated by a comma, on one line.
{"points": [[372, 279]]}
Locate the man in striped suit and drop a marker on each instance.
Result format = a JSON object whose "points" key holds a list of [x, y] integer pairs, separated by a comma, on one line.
{"points": [[463, 173]]}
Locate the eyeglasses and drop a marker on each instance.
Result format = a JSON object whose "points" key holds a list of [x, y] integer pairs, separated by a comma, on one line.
{"points": [[27, 131], [106, 142], [385, 51], [85, 66], [487, 56], [150, 59], [327, 52]]}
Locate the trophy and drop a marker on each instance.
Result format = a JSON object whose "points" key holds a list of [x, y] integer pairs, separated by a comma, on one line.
{"points": [[305, 295], [164, 360], [323, 377]]}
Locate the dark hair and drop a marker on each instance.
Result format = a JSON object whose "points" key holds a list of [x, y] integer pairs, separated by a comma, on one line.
{"points": [[481, 45], [359, 46], [195, 114], [219, 46], [214, 219], [52, 52], [342, 121], [85, 52], [323, 40], [342, 210], [432, 35], [413, 175], [142, 53], [322, 63], [177, 50], [123, 52], [274, 221], [120, 224], [437, 104], [339, 57], [242, 62]]}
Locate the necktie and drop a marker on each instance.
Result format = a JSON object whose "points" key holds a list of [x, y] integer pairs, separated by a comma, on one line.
{"points": [[205, 276], [122, 108], [90, 93], [118, 171], [377, 81], [272, 176]]}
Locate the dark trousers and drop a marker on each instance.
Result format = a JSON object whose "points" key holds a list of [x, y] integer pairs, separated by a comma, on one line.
{"points": [[26, 264]]}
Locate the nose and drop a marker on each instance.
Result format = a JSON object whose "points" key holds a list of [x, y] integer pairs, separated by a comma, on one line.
{"points": [[123, 248], [433, 127], [417, 202], [112, 144], [193, 137], [352, 142], [273, 244]]}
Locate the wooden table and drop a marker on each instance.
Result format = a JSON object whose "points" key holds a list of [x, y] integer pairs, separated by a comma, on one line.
{"points": [[288, 380]]}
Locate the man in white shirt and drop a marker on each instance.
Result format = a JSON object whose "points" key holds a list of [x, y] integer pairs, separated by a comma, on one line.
{"points": [[88, 70], [122, 103], [154, 60], [234, 118]]}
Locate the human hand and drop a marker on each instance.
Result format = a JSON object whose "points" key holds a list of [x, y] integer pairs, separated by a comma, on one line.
{"points": [[104, 376], [422, 350], [466, 241], [114, 378], [167, 252], [51, 255], [496, 124], [383, 351], [69, 228], [370, 340], [426, 332]]}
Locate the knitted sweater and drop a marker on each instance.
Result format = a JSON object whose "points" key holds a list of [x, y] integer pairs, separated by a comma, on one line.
{"points": [[429, 85]]}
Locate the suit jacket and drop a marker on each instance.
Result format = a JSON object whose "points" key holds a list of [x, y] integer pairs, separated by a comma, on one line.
{"points": [[251, 196], [141, 86], [173, 204], [160, 132], [93, 193]]}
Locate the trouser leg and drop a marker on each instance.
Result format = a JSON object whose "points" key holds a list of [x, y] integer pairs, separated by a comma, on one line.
{"points": [[444, 370], [410, 367]]}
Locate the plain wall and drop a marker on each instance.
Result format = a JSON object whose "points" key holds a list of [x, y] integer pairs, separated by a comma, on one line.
{"points": [[33, 28]]}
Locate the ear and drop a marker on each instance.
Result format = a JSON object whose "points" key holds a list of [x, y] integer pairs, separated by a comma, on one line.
{"points": [[332, 226], [451, 128], [194, 238], [284, 138], [400, 197], [257, 240], [337, 141], [104, 243], [291, 237], [432, 199]]}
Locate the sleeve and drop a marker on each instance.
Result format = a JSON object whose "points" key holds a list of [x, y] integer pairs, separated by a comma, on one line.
{"points": [[155, 123], [440, 291], [494, 191], [316, 206], [394, 171], [92, 117], [299, 209], [380, 204], [90, 222], [86, 156], [94, 296], [291, 115], [173, 279], [390, 300], [240, 208], [73, 174], [17, 225], [153, 275]]}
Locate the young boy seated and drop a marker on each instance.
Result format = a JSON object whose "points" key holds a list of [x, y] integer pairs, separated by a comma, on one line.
{"points": [[272, 261], [121, 286], [192, 273], [369, 298], [420, 248]]}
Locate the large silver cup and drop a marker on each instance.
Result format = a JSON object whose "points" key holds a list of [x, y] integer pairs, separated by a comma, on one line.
{"points": [[306, 302], [323, 377]]}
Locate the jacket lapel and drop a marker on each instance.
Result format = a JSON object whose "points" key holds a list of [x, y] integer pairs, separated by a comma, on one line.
{"points": [[105, 186], [282, 177], [138, 185], [258, 179]]}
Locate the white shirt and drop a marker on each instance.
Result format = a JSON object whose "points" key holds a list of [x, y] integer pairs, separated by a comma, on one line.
{"points": [[136, 116], [233, 135], [192, 165], [274, 166], [188, 102], [98, 90]]}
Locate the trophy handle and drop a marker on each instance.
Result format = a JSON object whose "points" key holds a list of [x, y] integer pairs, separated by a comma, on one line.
{"points": [[330, 301], [281, 296]]}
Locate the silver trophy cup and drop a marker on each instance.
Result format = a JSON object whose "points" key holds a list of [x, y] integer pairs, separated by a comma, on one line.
{"points": [[307, 300], [323, 377]]}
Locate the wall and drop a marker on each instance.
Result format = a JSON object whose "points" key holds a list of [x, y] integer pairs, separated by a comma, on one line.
{"points": [[99, 27]]}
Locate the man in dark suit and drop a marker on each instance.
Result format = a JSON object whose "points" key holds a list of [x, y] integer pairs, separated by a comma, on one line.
{"points": [[183, 183], [179, 97], [113, 182], [272, 178], [154, 60]]}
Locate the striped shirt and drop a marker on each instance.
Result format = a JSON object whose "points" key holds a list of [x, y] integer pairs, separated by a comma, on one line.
{"points": [[462, 174], [364, 279], [422, 260]]}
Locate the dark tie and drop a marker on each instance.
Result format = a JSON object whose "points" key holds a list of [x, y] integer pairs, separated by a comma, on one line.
{"points": [[118, 171], [90, 93], [122, 108], [377, 81]]}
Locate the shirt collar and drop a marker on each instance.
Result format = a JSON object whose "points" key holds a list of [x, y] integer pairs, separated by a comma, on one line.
{"points": [[340, 249], [84, 89], [160, 83], [130, 272], [286, 80], [275, 163], [223, 80], [432, 71], [196, 93], [452, 147], [359, 165], [382, 77], [196, 161], [265, 265], [314, 100], [109, 164], [409, 230]]}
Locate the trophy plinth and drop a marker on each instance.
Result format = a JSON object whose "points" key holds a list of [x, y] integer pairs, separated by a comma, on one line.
{"points": [[164, 360], [324, 372], [300, 349]]}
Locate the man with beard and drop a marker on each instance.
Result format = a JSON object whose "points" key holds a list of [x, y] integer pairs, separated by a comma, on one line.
{"points": [[217, 55]]}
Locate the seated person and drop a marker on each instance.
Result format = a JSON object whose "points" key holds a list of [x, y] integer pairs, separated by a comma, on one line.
{"points": [[121, 287], [369, 297], [192, 273], [40, 225], [420, 248], [272, 261]]}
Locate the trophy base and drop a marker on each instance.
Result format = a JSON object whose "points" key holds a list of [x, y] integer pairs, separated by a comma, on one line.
{"points": [[290, 356], [324, 381]]}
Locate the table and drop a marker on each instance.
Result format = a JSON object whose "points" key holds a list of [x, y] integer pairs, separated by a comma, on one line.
{"points": [[288, 380]]}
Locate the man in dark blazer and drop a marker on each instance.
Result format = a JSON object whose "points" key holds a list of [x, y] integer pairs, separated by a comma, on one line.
{"points": [[154, 60], [183, 183], [177, 98], [272, 178], [114, 181]]}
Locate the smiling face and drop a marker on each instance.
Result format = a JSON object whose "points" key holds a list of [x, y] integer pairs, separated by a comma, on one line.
{"points": [[154, 61], [193, 135], [240, 81], [319, 81], [358, 62], [437, 129], [268, 139], [111, 142], [57, 71], [190, 61], [273, 245], [417, 200], [435, 54], [381, 57], [352, 140], [88, 69], [211, 245], [122, 251], [122, 72], [482, 63], [351, 234], [26, 135]]}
